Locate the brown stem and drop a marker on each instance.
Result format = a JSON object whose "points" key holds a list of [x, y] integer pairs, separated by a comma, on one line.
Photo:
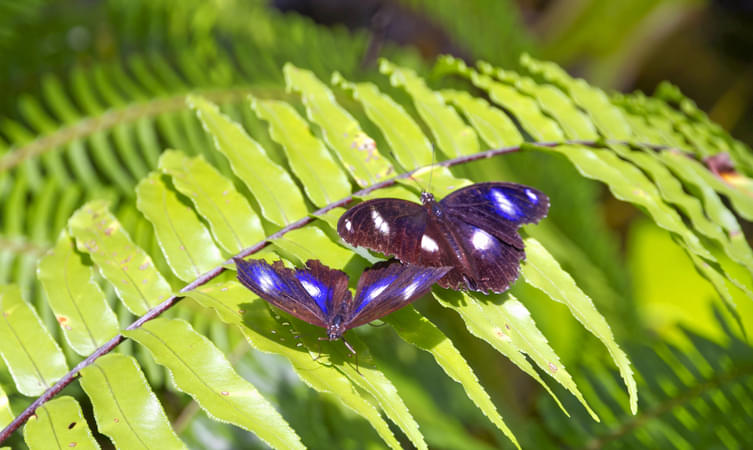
{"points": [[210, 275]]}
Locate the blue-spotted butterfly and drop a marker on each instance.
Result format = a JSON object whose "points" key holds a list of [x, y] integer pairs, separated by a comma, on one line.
{"points": [[473, 229], [320, 295]]}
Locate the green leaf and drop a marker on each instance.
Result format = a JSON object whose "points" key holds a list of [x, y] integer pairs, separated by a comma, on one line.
{"points": [[309, 159], [671, 189], [33, 357], [127, 267], [186, 243], [407, 142], [628, 183], [233, 222], [484, 320], [356, 150], [452, 135], [608, 118], [492, 125], [279, 198], [575, 124], [699, 178], [6, 415], [522, 107], [415, 329], [311, 243], [237, 305], [201, 370], [542, 271], [59, 424], [78, 302], [125, 408]]}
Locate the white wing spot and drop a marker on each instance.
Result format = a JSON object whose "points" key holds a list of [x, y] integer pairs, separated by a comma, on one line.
{"points": [[264, 279], [311, 288], [411, 289], [532, 196], [348, 225], [429, 244], [379, 222], [376, 291], [504, 204], [481, 240]]}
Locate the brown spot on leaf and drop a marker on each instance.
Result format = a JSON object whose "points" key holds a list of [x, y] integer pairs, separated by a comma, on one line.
{"points": [[552, 367], [225, 393], [507, 325], [62, 320], [144, 266], [116, 420], [71, 425], [108, 231], [72, 444], [240, 311]]}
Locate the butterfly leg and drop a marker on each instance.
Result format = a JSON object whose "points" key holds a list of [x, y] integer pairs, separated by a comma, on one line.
{"points": [[353, 353]]}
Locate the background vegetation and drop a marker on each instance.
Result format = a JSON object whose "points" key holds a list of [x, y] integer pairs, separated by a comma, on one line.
{"points": [[94, 92]]}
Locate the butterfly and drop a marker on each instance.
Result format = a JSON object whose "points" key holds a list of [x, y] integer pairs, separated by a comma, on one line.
{"points": [[320, 296], [473, 229]]}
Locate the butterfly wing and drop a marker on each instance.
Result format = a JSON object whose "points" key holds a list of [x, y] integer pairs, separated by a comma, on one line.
{"points": [[486, 262], [397, 228], [389, 286], [497, 208], [388, 225], [298, 292]]}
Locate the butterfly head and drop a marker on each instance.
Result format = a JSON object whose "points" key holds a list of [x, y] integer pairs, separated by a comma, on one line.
{"points": [[427, 198], [335, 328]]}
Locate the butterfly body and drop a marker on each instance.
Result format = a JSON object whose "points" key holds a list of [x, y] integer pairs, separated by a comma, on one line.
{"points": [[320, 295], [473, 230]]}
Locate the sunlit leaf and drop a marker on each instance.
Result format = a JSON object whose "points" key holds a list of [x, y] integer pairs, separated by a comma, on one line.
{"points": [[201, 370], [407, 142], [485, 319], [233, 222], [33, 357], [309, 159], [127, 267], [6, 415], [454, 138], [492, 125], [186, 243], [237, 305], [542, 271], [279, 198], [79, 304], [125, 408], [59, 424], [357, 151]]}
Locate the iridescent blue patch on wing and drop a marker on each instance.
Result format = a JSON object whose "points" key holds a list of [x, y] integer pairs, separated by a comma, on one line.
{"points": [[504, 205], [419, 283], [267, 279], [373, 291], [318, 291]]}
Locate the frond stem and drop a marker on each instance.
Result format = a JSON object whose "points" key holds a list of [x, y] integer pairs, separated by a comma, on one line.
{"points": [[211, 274]]}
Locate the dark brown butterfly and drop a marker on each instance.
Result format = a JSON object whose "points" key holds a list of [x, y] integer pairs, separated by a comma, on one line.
{"points": [[320, 295], [474, 230]]}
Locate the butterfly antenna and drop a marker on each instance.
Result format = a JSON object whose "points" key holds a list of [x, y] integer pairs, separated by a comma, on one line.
{"points": [[431, 167]]}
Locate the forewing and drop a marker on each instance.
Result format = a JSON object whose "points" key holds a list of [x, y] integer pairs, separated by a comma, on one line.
{"points": [[389, 286], [488, 263], [388, 225], [498, 208], [281, 287]]}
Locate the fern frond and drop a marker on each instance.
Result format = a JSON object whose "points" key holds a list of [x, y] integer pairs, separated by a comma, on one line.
{"points": [[174, 227]]}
